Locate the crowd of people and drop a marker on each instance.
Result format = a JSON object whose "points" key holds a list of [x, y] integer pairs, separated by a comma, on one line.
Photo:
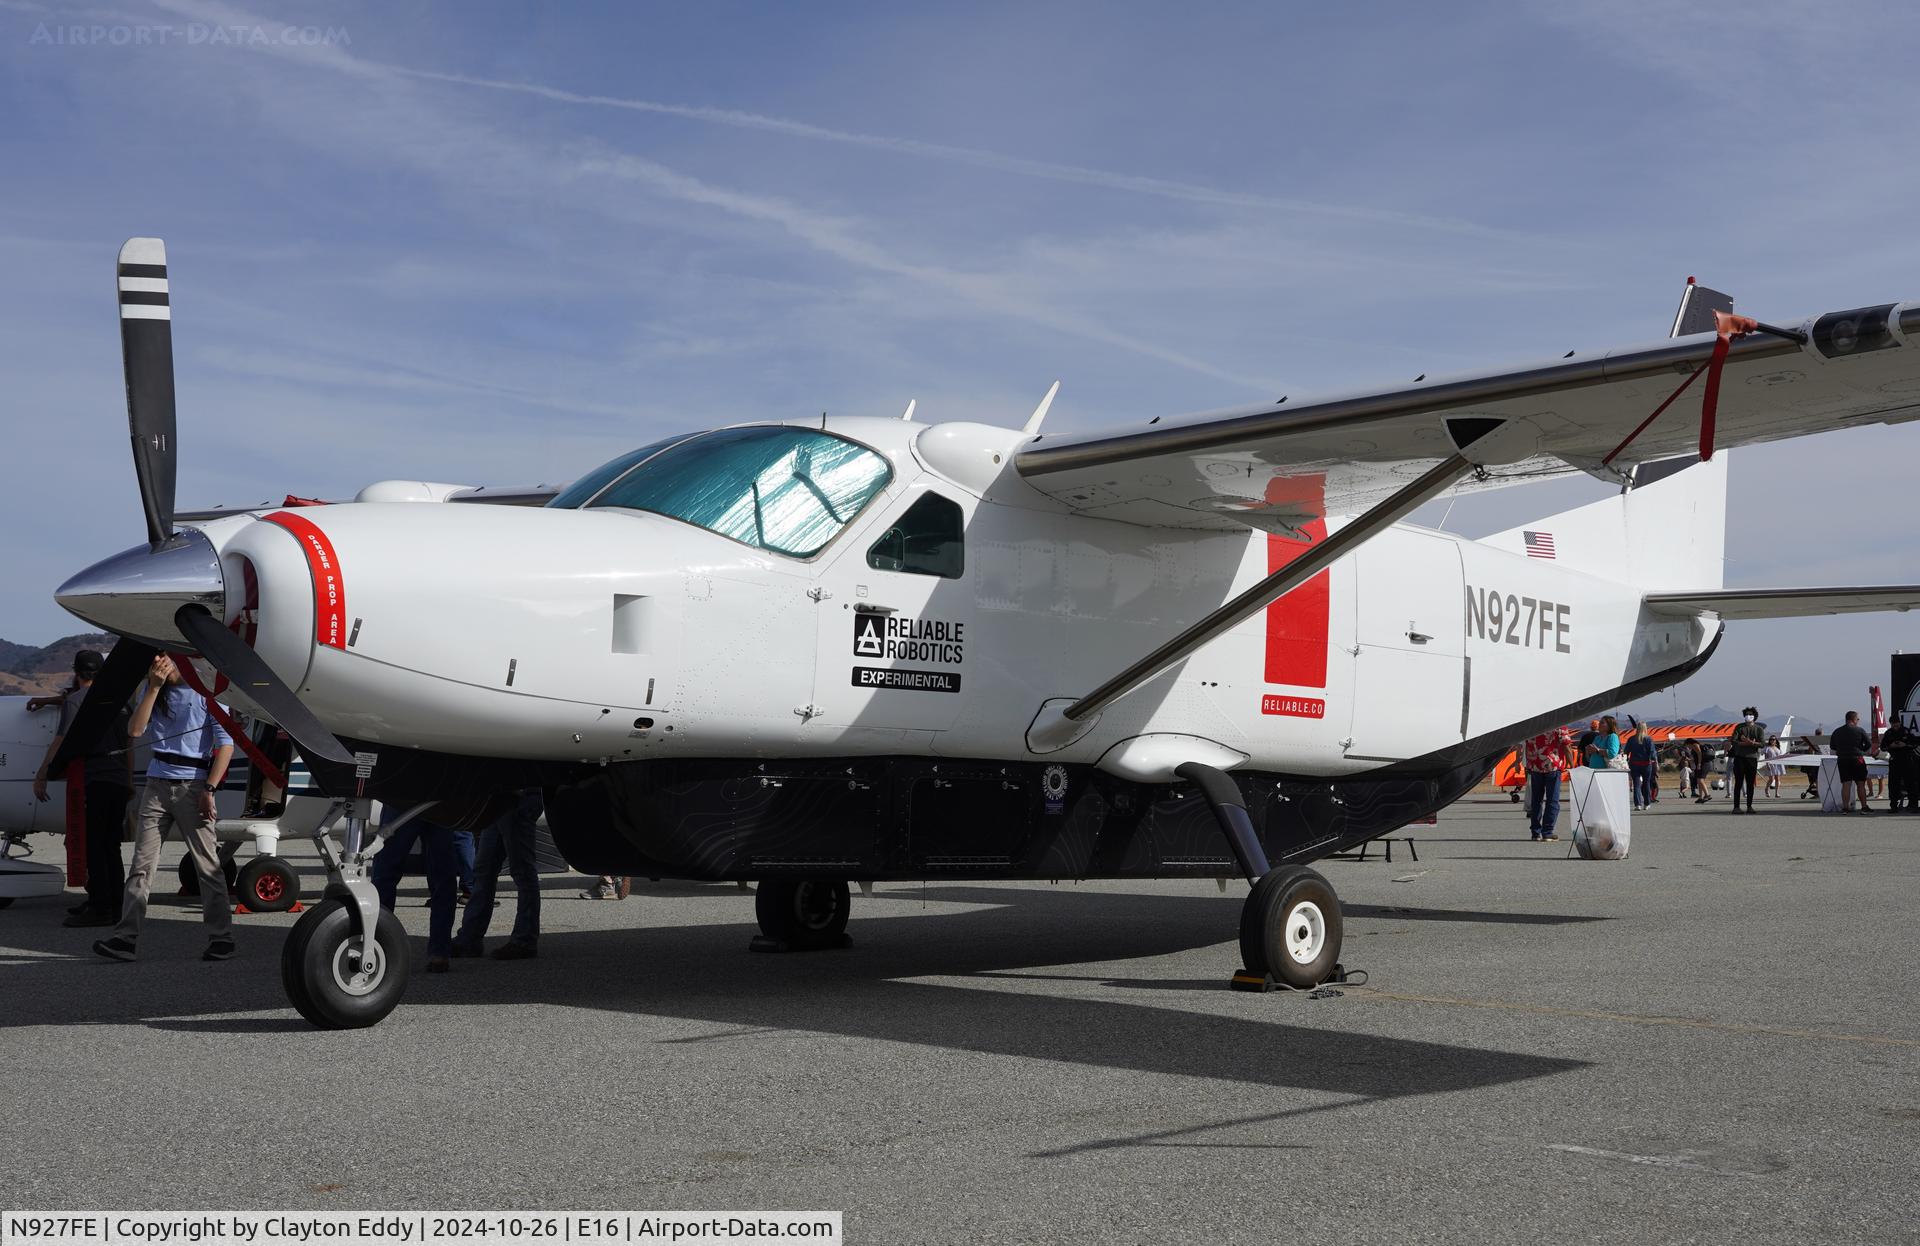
{"points": [[1751, 755], [465, 845]]}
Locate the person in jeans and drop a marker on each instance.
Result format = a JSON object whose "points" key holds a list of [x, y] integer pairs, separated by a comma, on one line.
{"points": [[507, 839], [1748, 738], [436, 840], [1642, 760], [1851, 744], [1545, 756], [190, 755]]}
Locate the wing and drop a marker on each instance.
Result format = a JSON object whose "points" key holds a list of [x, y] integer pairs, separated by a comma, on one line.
{"points": [[1787, 603], [1280, 465], [402, 491]]}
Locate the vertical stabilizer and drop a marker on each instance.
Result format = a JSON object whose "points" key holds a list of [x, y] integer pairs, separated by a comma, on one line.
{"points": [[1668, 530]]}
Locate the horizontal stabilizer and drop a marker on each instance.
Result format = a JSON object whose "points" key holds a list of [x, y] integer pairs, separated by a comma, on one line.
{"points": [[1787, 603]]}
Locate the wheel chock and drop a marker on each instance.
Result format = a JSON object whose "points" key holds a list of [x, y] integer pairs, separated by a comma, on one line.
{"points": [[241, 910], [297, 907], [767, 943], [1245, 980]]}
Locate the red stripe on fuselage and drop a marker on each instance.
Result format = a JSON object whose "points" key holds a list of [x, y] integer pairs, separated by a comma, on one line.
{"points": [[329, 588], [1297, 624]]}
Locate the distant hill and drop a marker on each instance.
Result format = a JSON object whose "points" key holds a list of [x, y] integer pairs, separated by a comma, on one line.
{"points": [[39, 669]]}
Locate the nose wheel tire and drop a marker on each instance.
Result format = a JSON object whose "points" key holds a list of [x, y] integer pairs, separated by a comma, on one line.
{"points": [[804, 913], [268, 885], [331, 980], [1290, 927]]}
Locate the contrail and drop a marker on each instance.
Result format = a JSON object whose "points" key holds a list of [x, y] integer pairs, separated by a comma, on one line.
{"points": [[977, 157]]}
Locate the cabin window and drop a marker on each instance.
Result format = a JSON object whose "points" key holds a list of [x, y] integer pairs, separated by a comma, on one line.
{"points": [[926, 540], [782, 489]]}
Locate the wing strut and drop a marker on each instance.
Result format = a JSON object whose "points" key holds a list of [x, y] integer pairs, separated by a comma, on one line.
{"points": [[1365, 527]]}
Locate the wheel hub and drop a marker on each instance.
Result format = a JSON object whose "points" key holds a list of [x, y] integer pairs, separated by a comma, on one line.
{"points": [[813, 905], [354, 973], [1305, 932]]}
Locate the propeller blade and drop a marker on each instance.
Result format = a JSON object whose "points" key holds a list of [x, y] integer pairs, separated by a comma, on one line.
{"points": [[146, 352], [245, 671], [120, 675]]}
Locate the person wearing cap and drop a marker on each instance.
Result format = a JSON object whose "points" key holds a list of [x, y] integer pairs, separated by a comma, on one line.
{"points": [[190, 755], [105, 769]]}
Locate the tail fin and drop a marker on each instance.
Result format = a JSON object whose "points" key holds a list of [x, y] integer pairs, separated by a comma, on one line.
{"points": [[1667, 535], [1668, 529]]}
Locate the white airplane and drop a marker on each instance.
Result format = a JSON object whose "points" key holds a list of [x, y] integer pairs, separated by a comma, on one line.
{"points": [[814, 651]]}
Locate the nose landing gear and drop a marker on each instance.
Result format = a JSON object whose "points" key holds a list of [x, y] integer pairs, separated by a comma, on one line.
{"points": [[345, 962]]}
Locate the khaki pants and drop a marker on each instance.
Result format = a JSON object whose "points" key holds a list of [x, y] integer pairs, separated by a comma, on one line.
{"points": [[175, 801]]}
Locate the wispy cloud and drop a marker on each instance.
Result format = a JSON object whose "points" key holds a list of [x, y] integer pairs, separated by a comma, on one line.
{"points": [[975, 157]]}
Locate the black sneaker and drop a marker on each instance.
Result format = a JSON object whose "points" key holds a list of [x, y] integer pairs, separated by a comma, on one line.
{"points": [[74, 910], [86, 917], [115, 948], [511, 950], [218, 949], [465, 951]]}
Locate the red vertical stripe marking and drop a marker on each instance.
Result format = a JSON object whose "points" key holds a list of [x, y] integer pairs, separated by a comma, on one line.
{"points": [[329, 589], [1297, 623]]}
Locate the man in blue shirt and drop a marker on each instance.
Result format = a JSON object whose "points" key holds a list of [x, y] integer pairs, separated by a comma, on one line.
{"points": [[190, 755]]}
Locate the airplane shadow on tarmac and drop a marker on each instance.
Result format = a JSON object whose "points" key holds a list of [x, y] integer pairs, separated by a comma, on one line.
{"points": [[877, 989]]}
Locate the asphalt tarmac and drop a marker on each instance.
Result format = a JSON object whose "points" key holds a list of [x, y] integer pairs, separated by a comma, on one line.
{"points": [[1714, 1040]]}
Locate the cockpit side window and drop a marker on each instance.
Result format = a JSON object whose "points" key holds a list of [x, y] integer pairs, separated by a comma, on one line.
{"points": [[782, 489], [928, 539]]}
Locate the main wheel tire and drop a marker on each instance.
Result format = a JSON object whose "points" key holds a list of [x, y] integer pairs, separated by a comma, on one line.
{"points": [[803, 912], [268, 885], [324, 977], [1290, 927], [190, 877]]}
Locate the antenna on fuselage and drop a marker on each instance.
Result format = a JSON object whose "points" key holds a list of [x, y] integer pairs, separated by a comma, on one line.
{"points": [[1040, 412], [911, 404]]}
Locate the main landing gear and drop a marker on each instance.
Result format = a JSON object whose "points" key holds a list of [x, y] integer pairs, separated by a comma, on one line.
{"points": [[345, 962], [1290, 926], [802, 914]]}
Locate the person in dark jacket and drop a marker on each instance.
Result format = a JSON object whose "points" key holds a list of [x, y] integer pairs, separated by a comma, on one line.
{"points": [[1748, 738], [1903, 793]]}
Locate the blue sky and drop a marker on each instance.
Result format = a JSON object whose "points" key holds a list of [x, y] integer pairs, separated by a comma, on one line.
{"points": [[483, 242]]}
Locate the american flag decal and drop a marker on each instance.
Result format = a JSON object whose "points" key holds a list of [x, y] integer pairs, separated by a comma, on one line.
{"points": [[1539, 544]]}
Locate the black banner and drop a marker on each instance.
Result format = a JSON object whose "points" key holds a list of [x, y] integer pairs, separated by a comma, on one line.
{"points": [[1903, 699], [912, 681]]}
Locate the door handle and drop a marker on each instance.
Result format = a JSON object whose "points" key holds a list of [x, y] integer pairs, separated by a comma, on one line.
{"points": [[868, 607]]}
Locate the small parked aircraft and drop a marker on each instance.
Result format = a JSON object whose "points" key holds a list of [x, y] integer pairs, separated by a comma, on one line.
{"points": [[817, 651]]}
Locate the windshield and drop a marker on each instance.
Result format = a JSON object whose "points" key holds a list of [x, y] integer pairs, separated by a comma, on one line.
{"points": [[788, 490], [582, 490]]}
